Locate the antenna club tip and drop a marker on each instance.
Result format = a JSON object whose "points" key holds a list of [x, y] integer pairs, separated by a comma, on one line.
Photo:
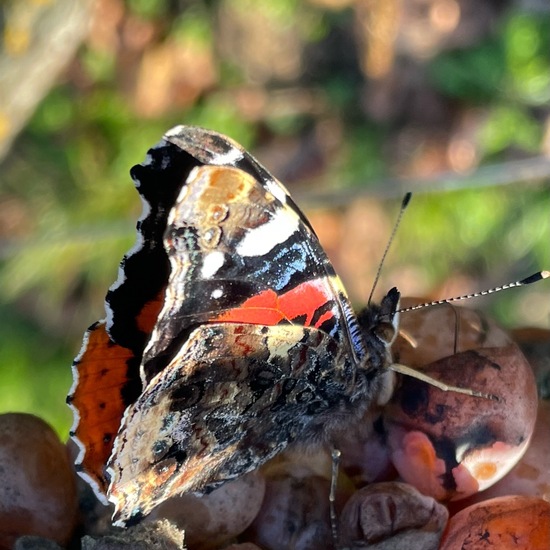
{"points": [[535, 277], [406, 199]]}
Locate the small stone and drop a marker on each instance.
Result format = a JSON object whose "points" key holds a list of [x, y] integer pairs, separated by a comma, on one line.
{"points": [[429, 334], [392, 516], [29, 542], [506, 523], [218, 517], [295, 513], [158, 535], [37, 484], [450, 445]]}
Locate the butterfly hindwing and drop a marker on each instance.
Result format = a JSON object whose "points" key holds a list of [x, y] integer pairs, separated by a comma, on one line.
{"points": [[234, 396], [100, 374]]}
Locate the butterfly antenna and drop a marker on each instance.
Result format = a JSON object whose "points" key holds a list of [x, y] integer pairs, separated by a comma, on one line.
{"points": [[404, 204], [527, 281]]}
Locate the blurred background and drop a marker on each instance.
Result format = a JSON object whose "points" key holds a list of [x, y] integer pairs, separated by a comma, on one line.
{"points": [[349, 102]]}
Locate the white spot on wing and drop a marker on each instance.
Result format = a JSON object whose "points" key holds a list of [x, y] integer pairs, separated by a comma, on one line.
{"points": [[277, 190], [229, 158], [217, 293], [175, 131], [261, 240], [211, 263]]}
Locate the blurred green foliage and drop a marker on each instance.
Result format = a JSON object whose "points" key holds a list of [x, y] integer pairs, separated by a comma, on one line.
{"points": [[68, 172], [509, 74]]}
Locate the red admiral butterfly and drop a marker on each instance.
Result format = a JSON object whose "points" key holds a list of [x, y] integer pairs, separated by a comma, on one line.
{"points": [[228, 335]]}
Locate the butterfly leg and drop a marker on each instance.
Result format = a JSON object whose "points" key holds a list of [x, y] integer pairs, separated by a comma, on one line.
{"points": [[335, 455]]}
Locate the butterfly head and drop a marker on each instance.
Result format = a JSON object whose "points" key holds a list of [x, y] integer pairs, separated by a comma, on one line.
{"points": [[379, 325]]}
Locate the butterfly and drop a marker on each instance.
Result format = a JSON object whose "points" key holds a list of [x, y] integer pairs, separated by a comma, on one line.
{"points": [[227, 337]]}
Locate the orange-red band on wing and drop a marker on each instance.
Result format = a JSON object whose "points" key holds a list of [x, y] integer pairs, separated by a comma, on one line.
{"points": [[267, 308], [149, 313]]}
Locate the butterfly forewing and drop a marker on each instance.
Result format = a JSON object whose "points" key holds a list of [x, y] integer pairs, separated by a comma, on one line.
{"points": [[239, 254]]}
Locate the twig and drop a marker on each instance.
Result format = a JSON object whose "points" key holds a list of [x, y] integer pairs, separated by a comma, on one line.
{"points": [[528, 171]]}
